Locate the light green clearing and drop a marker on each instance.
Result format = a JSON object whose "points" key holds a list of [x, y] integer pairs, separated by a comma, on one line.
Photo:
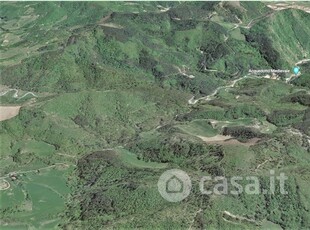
{"points": [[131, 159]]}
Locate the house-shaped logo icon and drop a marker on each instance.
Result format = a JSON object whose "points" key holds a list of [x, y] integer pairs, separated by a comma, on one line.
{"points": [[174, 185]]}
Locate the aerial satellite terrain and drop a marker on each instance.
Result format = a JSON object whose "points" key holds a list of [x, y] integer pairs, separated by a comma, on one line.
{"points": [[155, 115]]}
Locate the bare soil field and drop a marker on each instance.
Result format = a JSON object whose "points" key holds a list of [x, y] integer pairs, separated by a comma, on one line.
{"points": [[8, 112], [227, 140]]}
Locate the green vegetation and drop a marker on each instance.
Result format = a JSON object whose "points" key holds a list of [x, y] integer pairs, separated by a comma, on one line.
{"points": [[28, 202], [109, 108], [199, 127], [270, 34], [132, 160]]}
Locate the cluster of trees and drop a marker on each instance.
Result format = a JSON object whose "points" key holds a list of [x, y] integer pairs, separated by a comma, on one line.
{"points": [[304, 124], [228, 113], [241, 132], [285, 117], [287, 210], [107, 189], [302, 80], [173, 149], [300, 97], [258, 39]]}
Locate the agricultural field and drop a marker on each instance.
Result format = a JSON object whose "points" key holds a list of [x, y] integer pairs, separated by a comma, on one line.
{"points": [[99, 99]]}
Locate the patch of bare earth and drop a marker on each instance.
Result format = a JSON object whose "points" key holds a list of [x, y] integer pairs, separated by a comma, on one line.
{"points": [[8, 112], [239, 218], [4, 185], [293, 5], [227, 140]]}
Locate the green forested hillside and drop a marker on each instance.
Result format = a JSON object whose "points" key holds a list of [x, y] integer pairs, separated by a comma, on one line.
{"points": [[112, 94]]}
